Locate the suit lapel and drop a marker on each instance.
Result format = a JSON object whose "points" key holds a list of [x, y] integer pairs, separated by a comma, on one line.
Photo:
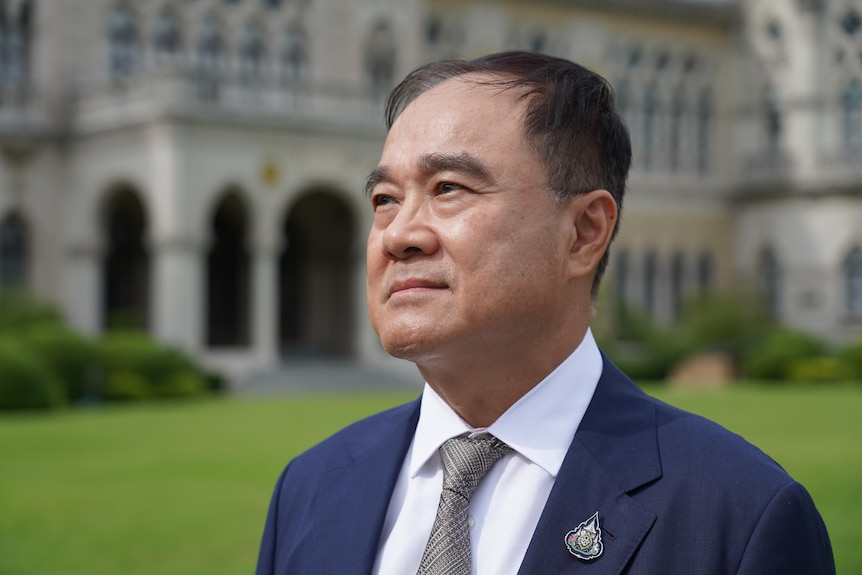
{"points": [[356, 495], [614, 452]]}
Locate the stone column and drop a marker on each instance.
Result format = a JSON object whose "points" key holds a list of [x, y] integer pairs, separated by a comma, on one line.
{"points": [[83, 295], [177, 254], [177, 293], [264, 301]]}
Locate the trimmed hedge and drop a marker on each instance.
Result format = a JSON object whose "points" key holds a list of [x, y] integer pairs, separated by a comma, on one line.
{"points": [[137, 367], [722, 323], [734, 326], [649, 359], [20, 310], [25, 381], [640, 348], [852, 356], [44, 364], [820, 369], [125, 386], [773, 358], [73, 358]]}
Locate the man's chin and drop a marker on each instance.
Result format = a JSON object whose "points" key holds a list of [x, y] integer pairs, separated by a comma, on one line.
{"points": [[412, 346], [410, 350]]}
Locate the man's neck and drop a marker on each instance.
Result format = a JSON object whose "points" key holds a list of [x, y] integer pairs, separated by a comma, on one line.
{"points": [[481, 389]]}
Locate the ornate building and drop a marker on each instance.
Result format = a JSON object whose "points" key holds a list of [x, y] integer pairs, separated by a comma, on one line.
{"points": [[194, 167]]}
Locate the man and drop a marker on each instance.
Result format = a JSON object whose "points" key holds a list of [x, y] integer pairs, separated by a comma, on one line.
{"points": [[495, 201]]}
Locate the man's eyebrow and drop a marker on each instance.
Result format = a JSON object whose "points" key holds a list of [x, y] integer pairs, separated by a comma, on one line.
{"points": [[464, 163], [377, 175]]}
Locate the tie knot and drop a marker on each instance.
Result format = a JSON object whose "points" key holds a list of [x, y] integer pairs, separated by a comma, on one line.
{"points": [[466, 460]]}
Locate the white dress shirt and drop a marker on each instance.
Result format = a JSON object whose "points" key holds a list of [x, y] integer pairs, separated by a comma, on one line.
{"points": [[505, 508]]}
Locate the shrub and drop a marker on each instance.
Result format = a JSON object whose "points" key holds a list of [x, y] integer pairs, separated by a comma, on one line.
{"points": [[73, 358], [25, 382], [651, 359], [773, 357], [724, 323], [852, 356], [822, 368], [125, 386], [641, 349], [18, 309], [163, 371], [185, 384], [215, 382], [123, 365]]}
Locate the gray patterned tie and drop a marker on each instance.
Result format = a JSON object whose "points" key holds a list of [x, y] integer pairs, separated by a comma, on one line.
{"points": [[465, 462]]}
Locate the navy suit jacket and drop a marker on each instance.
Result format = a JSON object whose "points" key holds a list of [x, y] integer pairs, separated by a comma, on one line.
{"points": [[675, 493]]}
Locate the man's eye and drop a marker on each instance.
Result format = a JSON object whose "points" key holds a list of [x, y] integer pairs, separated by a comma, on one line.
{"points": [[447, 187], [381, 200]]}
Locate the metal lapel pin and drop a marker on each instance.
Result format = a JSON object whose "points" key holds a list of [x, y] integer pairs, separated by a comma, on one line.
{"points": [[585, 540]]}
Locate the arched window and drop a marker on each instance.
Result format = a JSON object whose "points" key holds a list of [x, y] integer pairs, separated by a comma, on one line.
{"points": [[14, 251], [228, 269], [704, 273], [851, 22], [433, 30], [123, 39], [211, 51], [621, 292], [10, 47], [211, 48], [15, 41], [770, 281], [294, 55], [380, 56], [252, 51], [851, 108], [621, 276], [677, 109], [622, 97], [853, 283], [315, 311], [704, 126], [537, 42], [629, 94], [4, 41], [773, 120], [650, 109], [650, 281], [126, 272], [168, 37], [677, 282]]}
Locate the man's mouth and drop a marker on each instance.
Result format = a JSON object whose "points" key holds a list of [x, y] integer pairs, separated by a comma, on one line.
{"points": [[409, 285]]}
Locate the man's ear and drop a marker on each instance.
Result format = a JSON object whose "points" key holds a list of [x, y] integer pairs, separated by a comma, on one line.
{"points": [[594, 216]]}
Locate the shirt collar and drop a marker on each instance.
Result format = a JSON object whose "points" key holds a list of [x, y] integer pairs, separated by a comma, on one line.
{"points": [[540, 426]]}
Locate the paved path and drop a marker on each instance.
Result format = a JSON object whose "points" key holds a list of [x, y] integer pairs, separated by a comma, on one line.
{"points": [[325, 375]]}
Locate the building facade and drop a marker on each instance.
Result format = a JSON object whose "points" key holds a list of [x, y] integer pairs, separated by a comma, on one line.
{"points": [[194, 168]]}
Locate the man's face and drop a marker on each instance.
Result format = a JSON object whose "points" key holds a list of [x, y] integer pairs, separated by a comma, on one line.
{"points": [[468, 251]]}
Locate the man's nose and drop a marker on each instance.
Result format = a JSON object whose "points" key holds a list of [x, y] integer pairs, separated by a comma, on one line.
{"points": [[411, 232]]}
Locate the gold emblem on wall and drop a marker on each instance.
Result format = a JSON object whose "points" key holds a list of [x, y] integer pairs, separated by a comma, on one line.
{"points": [[270, 173]]}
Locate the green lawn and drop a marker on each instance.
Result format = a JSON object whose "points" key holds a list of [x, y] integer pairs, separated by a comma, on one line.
{"points": [[182, 489]]}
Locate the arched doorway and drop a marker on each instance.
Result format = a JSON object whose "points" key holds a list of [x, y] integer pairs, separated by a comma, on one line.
{"points": [[315, 277], [14, 251], [126, 277], [228, 305]]}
